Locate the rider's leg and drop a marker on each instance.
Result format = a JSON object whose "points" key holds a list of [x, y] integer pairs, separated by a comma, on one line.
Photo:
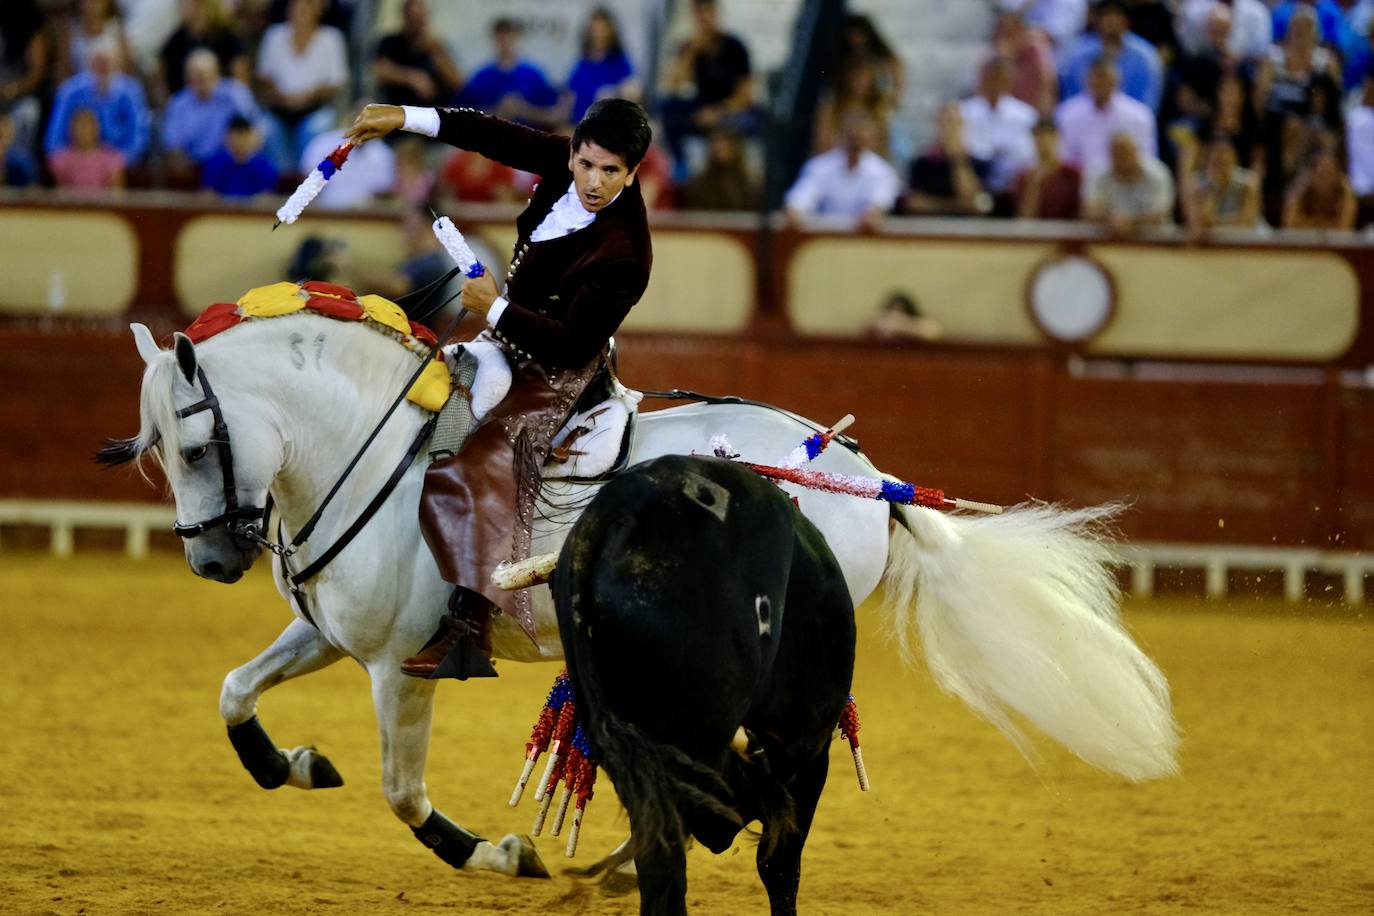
{"points": [[462, 646]]}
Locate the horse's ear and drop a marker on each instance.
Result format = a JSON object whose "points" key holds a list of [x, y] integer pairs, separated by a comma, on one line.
{"points": [[186, 356], [143, 339]]}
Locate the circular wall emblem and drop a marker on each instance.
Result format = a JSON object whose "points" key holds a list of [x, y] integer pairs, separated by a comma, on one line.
{"points": [[1071, 298]]}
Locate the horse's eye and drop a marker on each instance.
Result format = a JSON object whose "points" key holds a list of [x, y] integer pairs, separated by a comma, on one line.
{"points": [[192, 455]]}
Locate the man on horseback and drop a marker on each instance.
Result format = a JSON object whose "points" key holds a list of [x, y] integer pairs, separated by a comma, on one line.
{"points": [[581, 261]]}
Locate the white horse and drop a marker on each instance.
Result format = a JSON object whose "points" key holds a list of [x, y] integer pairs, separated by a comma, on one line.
{"points": [[1016, 613]]}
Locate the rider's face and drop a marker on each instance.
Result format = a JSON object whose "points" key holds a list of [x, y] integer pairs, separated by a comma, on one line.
{"points": [[599, 175]]}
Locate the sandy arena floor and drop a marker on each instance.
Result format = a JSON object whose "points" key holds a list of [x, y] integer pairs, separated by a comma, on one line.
{"points": [[121, 794]]}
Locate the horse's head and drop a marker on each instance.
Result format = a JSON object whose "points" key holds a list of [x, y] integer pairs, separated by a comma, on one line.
{"points": [[216, 444]]}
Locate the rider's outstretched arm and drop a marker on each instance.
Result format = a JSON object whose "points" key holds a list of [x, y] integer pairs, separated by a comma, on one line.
{"points": [[506, 142]]}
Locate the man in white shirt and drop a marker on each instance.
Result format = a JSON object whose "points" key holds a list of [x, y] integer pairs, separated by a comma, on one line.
{"points": [[1089, 120], [302, 65], [999, 127], [1252, 31], [850, 180]]}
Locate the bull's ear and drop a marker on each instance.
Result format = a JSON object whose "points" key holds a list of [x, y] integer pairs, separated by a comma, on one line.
{"points": [[186, 356], [143, 339]]}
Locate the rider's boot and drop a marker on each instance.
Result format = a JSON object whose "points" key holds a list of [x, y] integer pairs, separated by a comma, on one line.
{"points": [[462, 647]]}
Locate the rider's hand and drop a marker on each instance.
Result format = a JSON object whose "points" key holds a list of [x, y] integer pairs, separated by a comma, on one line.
{"points": [[375, 121], [479, 293]]}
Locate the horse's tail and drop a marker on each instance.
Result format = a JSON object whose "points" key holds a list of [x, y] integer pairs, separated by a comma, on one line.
{"points": [[655, 781], [1019, 612]]}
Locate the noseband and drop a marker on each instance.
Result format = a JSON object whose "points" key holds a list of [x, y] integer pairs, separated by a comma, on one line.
{"points": [[239, 519]]}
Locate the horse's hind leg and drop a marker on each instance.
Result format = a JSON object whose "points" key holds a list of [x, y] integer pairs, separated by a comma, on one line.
{"points": [[300, 649], [780, 866], [404, 707]]}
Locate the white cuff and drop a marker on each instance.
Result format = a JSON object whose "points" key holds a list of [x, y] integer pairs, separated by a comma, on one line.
{"points": [[497, 307], [421, 120]]}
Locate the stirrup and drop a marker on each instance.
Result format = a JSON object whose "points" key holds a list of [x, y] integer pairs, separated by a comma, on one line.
{"points": [[466, 659]]}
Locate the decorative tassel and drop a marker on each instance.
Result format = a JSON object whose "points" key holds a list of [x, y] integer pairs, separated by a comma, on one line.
{"points": [[585, 780], [562, 732], [849, 728], [457, 247], [313, 185], [559, 694]]}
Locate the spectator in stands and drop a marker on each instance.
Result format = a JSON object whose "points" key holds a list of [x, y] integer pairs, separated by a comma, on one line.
{"points": [[26, 59], [301, 67], [1136, 191], [20, 170], [414, 177], [196, 119], [116, 98], [1284, 77], [604, 69], [412, 66], [1329, 16], [1250, 35], [900, 318], [1321, 196], [321, 258], [1034, 79], [861, 42], [998, 126], [1194, 79], [1220, 194], [1359, 144], [240, 168], [94, 22], [510, 86], [849, 181], [1142, 74], [725, 184], [1049, 189], [947, 180], [709, 84], [855, 89], [472, 178], [1153, 20], [1061, 20], [203, 25], [1089, 120], [86, 164], [1228, 115]]}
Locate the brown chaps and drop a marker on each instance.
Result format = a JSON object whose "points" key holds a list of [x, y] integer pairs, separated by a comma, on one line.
{"points": [[477, 507]]}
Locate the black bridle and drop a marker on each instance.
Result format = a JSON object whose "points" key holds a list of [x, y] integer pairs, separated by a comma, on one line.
{"points": [[238, 519]]}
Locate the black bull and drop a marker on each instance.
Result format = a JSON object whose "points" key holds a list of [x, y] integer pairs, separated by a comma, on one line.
{"points": [[693, 599]]}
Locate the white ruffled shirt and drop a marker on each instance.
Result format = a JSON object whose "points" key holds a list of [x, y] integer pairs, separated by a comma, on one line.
{"points": [[567, 216]]}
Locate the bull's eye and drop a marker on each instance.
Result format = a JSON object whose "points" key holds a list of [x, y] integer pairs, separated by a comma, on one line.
{"points": [[192, 455]]}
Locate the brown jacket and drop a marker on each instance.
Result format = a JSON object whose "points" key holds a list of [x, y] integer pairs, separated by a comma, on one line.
{"points": [[568, 295]]}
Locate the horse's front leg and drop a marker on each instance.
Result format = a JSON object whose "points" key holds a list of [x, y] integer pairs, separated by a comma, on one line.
{"points": [[405, 706], [300, 649]]}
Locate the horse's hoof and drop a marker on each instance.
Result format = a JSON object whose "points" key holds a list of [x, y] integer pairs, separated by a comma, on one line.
{"points": [[528, 863], [312, 770], [620, 882], [322, 773]]}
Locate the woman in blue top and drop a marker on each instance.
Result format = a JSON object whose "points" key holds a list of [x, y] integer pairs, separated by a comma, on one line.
{"points": [[604, 70]]}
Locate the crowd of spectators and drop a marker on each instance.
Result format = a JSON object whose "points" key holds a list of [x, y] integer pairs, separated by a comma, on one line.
{"points": [[1245, 114]]}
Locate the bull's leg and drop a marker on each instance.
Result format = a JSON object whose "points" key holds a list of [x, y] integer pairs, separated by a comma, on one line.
{"points": [[404, 709], [780, 869], [300, 649], [662, 879]]}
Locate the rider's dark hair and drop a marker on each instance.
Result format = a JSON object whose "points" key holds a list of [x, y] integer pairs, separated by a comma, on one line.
{"points": [[618, 126]]}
